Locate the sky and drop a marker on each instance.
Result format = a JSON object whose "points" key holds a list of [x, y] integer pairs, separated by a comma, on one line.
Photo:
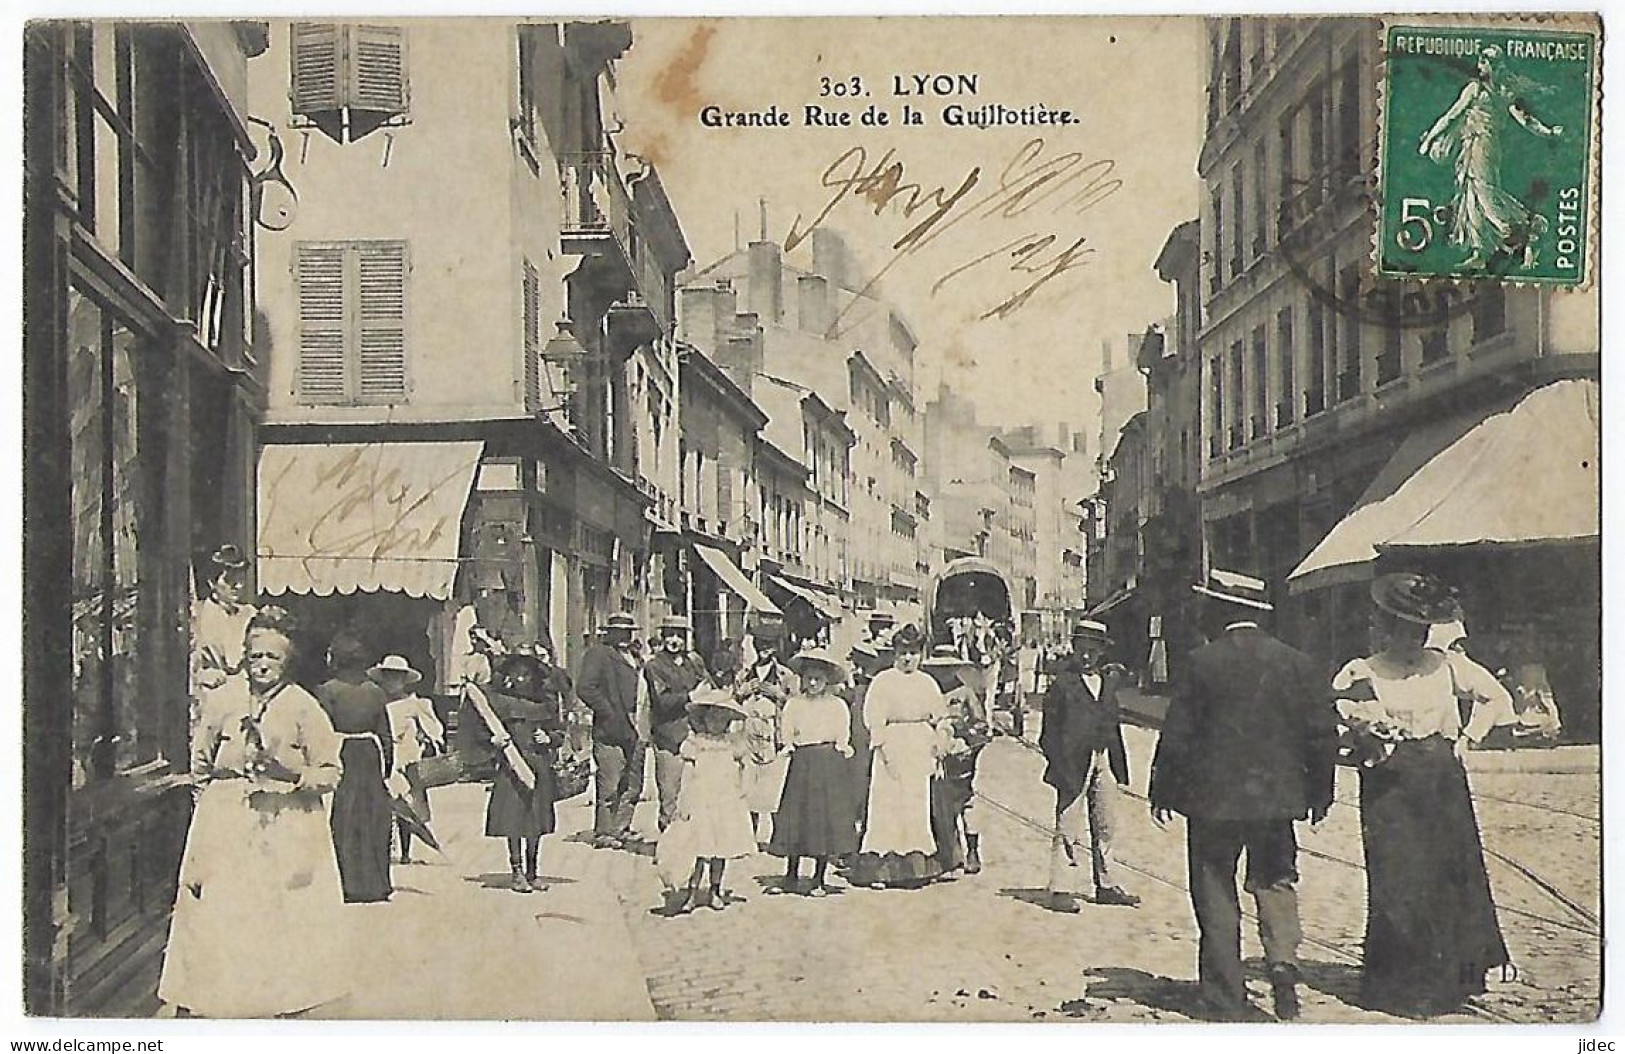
{"points": [[1014, 252]]}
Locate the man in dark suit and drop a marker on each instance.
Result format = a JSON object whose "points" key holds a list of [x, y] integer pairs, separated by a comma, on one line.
{"points": [[1082, 741], [1248, 746], [609, 686]]}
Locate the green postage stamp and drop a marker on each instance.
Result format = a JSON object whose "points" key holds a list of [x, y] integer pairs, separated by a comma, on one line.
{"points": [[1487, 156]]}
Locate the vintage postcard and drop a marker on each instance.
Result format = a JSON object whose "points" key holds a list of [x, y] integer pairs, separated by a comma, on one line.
{"points": [[1024, 519]]}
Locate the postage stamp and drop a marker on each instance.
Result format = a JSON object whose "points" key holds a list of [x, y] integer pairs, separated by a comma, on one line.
{"points": [[1486, 153]]}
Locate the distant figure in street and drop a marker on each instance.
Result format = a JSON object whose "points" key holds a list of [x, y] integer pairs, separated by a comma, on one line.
{"points": [[258, 926], [610, 687], [416, 731], [528, 701], [219, 624], [1086, 763], [1431, 929], [672, 672], [1248, 746], [901, 710], [362, 816], [713, 819], [815, 816]]}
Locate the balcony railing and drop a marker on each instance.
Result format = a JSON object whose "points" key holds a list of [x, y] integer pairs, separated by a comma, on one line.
{"points": [[599, 213]]}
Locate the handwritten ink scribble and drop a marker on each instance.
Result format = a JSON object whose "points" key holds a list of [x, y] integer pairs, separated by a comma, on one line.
{"points": [[1065, 185]]}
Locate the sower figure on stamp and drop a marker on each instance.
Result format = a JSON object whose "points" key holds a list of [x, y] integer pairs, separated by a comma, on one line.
{"points": [[672, 672], [609, 687], [1248, 747], [1082, 741]]}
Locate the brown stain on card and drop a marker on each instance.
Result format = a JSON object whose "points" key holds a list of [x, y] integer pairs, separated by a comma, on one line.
{"points": [[677, 86]]}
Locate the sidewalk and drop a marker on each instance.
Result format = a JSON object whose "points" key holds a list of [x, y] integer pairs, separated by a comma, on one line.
{"points": [[455, 943]]}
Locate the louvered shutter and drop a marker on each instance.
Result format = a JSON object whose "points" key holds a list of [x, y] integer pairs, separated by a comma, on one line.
{"points": [[317, 62], [382, 316], [532, 291], [378, 69], [320, 280]]}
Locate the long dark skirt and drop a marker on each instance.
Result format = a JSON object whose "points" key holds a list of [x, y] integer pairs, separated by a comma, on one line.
{"points": [[362, 824], [816, 815], [514, 812], [1431, 930]]}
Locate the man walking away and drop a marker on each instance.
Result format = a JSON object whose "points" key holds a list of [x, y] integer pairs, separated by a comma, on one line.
{"points": [[1082, 741], [672, 672], [609, 687], [1248, 747]]}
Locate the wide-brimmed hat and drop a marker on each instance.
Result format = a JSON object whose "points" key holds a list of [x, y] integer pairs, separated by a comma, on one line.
{"points": [[395, 664], [1232, 587], [1415, 597], [720, 698], [834, 670], [1091, 632], [620, 622], [675, 622], [908, 638], [228, 558]]}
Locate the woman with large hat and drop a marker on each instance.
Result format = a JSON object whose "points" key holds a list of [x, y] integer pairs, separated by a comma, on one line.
{"points": [[416, 729], [362, 816], [527, 702], [901, 710], [1431, 929], [815, 816]]}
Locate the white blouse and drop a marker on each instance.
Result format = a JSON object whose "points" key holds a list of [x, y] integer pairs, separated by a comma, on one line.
{"points": [[811, 720], [1424, 703]]}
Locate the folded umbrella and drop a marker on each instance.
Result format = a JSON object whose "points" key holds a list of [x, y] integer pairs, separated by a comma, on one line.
{"points": [[408, 817]]}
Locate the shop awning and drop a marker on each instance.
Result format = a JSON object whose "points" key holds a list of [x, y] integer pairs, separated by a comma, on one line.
{"points": [[363, 517], [735, 579], [822, 602], [1524, 475]]}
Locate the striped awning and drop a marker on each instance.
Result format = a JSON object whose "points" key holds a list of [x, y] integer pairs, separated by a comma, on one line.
{"points": [[735, 579]]}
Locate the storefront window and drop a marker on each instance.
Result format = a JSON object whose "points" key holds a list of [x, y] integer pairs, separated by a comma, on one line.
{"points": [[115, 726]]}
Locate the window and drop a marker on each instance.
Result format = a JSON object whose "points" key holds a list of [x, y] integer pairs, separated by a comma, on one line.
{"points": [[1260, 198], [1314, 392], [1348, 379], [1261, 390], [529, 101], [1238, 221], [1288, 182], [352, 322], [1316, 171], [531, 341], [1238, 397], [1389, 361], [1435, 346], [1232, 63], [1350, 141], [1284, 367], [348, 80], [1216, 280], [1489, 312]]}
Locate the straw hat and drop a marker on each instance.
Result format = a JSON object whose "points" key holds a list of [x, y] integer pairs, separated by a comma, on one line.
{"points": [[834, 670], [719, 698], [395, 664], [1415, 597]]}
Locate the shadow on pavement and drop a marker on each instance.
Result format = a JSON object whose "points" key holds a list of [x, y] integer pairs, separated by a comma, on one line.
{"points": [[502, 879], [1147, 990], [1038, 898]]}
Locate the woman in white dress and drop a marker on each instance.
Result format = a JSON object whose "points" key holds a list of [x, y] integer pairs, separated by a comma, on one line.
{"points": [[257, 929], [901, 710]]}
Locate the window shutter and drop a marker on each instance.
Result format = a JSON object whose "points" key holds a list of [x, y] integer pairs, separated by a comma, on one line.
{"points": [[317, 59], [532, 291], [320, 280], [382, 329], [378, 69]]}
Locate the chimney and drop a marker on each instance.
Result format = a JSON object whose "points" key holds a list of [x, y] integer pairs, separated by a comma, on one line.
{"points": [[697, 316], [741, 355], [766, 290], [812, 298]]}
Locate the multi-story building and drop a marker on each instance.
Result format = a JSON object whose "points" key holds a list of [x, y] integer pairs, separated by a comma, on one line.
{"points": [[472, 380], [1317, 378], [825, 331], [968, 480], [143, 380], [802, 466], [1054, 529]]}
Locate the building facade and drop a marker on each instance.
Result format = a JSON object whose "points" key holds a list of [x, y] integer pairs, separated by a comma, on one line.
{"points": [[1314, 374], [143, 380], [534, 424]]}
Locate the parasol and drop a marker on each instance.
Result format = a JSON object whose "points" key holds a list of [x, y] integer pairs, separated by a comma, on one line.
{"points": [[408, 817]]}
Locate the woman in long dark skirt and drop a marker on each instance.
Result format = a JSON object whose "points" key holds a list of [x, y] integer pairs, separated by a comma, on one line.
{"points": [[529, 705], [1431, 928], [816, 816], [361, 820]]}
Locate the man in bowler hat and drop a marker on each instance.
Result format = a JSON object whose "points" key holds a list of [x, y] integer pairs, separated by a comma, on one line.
{"points": [[1248, 746], [609, 687], [1082, 741], [672, 672]]}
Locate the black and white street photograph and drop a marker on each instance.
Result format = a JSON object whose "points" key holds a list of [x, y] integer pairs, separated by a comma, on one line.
{"points": [[1036, 520]]}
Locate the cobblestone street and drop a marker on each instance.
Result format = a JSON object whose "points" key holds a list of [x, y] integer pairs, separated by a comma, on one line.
{"points": [[981, 949]]}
